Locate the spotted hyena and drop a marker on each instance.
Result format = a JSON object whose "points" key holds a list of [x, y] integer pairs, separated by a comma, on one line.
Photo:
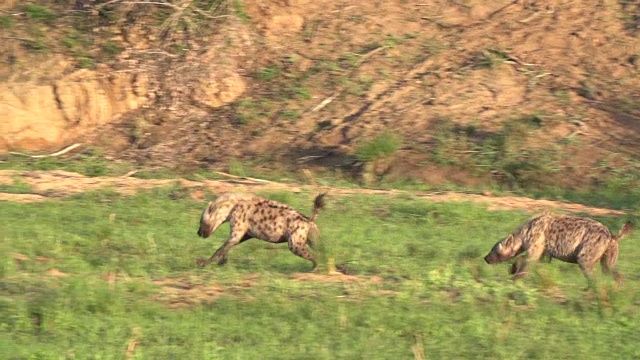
{"points": [[254, 217], [575, 240]]}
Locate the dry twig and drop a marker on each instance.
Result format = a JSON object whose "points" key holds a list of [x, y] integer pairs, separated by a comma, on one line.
{"points": [[61, 152]]}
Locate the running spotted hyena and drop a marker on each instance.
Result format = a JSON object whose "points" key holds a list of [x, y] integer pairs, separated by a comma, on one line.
{"points": [[254, 217], [575, 240]]}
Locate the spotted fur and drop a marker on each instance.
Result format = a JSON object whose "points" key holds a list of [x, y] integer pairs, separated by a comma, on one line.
{"points": [[575, 240], [255, 217]]}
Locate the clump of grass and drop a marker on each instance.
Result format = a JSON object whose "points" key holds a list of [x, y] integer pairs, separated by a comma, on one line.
{"points": [[237, 168], [18, 187], [246, 111], [489, 58], [382, 145], [111, 48], [360, 86], [86, 63], [563, 96], [37, 45], [239, 9], [292, 114], [6, 21], [268, 74], [39, 13]]}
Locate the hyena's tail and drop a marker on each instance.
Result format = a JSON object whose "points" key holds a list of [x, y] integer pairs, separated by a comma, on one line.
{"points": [[318, 204], [626, 229]]}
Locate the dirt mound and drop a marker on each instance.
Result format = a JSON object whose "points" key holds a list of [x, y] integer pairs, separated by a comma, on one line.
{"points": [[179, 292], [337, 278], [52, 184]]}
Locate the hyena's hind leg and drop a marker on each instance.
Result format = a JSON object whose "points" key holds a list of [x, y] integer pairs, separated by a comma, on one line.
{"points": [[238, 235], [298, 245], [587, 265], [608, 263]]}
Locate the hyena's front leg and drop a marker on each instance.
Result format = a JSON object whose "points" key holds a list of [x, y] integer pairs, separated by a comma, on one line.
{"points": [[520, 261], [237, 236], [533, 256]]}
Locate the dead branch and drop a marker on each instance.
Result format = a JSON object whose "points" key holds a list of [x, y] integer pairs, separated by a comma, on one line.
{"points": [[168, 4], [133, 172], [61, 152], [305, 159], [533, 16], [100, 6], [242, 177], [500, 10], [17, 38], [326, 101]]}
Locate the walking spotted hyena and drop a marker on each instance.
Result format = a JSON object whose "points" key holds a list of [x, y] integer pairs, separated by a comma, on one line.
{"points": [[254, 217], [575, 240]]}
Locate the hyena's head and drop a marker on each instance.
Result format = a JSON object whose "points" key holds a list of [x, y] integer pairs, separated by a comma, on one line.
{"points": [[213, 216], [504, 249], [206, 224]]}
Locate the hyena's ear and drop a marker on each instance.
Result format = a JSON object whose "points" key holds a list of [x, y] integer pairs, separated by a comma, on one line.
{"points": [[210, 207]]}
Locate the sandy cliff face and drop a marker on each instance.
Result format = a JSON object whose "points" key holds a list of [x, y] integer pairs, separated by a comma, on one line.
{"points": [[42, 116]]}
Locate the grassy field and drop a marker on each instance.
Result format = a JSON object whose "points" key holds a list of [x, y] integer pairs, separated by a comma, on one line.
{"points": [[102, 276]]}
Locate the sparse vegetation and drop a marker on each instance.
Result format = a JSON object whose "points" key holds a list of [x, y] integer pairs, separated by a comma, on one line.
{"points": [[6, 21], [39, 13], [90, 162], [382, 145], [503, 154], [489, 58]]}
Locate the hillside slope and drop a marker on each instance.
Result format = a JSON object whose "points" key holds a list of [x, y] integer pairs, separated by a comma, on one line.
{"points": [[525, 94]]}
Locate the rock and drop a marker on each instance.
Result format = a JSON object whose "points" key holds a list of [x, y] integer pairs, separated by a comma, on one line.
{"points": [[219, 88]]}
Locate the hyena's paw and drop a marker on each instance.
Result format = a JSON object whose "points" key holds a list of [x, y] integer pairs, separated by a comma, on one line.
{"points": [[519, 276], [222, 261], [513, 269], [619, 281], [202, 262]]}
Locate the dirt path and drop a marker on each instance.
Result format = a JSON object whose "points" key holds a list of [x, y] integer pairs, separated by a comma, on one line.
{"points": [[56, 184]]}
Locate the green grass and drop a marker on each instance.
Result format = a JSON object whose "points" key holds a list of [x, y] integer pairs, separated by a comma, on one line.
{"points": [[434, 290], [89, 162]]}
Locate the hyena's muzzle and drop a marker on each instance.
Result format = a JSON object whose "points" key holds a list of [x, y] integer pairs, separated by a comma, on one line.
{"points": [[499, 253], [204, 231]]}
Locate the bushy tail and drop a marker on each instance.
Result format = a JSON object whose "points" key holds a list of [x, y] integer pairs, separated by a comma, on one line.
{"points": [[318, 204], [626, 229]]}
